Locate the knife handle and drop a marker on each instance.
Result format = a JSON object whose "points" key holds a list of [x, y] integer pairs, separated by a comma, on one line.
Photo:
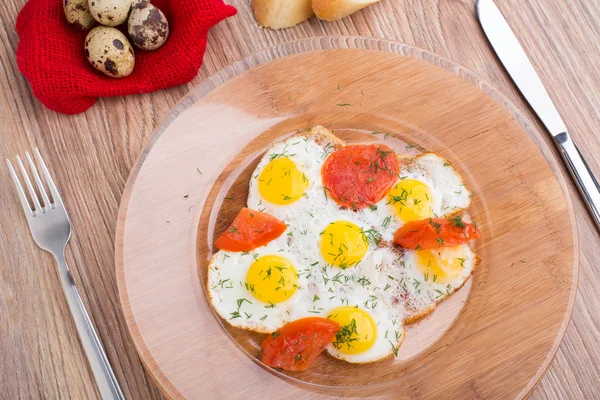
{"points": [[585, 180]]}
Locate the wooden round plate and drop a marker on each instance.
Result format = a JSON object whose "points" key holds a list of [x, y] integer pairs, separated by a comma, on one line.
{"points": [[492, 339]]}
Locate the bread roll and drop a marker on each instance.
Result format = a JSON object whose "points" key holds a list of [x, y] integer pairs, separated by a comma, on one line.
{"points": [[331, 10], [277, 14]]}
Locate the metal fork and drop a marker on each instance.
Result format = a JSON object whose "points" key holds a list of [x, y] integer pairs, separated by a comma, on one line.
{"points": [[51, 229]]}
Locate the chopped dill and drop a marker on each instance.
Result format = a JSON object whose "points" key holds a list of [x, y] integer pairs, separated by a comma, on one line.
{"points": [[346, 335]]}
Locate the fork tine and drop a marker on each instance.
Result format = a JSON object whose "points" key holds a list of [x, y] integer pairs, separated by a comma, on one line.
{"points": [[51, 186], [22, 196], [38, 181], [36, 201]]}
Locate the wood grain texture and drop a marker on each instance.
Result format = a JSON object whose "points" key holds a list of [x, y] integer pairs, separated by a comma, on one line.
{"points": [[92, 153]]}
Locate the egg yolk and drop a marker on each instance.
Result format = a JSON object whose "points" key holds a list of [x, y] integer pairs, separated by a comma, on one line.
{"points": [[281, 182], [411, 200], [357, 330], [343, 244], [272, 279], [442, 265]]}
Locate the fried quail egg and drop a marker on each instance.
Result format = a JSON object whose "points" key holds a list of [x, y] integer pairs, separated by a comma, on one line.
{"points": [[428, 187], [364, 292], [338, 263], [256, 290], [365, 335], [287, 180], [429, 276]]}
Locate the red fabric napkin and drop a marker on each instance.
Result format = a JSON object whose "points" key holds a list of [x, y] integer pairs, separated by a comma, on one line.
{"points": [[51, 54]]}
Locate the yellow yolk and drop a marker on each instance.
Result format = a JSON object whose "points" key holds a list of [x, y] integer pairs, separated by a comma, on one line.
{"points": [[343, 244], [357, 330], [281, 182], [272, 279], [442, 265], [411, 200]]}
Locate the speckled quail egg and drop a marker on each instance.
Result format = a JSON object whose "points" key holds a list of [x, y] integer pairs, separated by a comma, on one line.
{"points": [[78, 14], [110, 12], [148, 27], [109, 51]]}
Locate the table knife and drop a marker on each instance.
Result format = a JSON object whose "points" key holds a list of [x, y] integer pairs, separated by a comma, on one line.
{"points": [[520, 69]]}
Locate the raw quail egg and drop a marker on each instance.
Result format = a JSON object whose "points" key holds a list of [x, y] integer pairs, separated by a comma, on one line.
{"points": [[78, 14], [109, 51], [110, 12], [148, 27]]}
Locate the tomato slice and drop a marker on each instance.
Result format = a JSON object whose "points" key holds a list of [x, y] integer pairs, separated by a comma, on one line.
{"points": [[249, 230], [359, 176], [435, 232], [295, 346]]}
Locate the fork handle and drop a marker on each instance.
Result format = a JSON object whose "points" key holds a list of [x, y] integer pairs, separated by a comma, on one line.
{"points": [[103, 373]]}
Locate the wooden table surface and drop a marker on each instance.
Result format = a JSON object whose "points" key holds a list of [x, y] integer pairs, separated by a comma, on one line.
{"points": [[92, 153]]}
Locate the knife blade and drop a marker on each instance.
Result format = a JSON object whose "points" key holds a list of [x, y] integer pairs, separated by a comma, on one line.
{"points": [[519, 67]]}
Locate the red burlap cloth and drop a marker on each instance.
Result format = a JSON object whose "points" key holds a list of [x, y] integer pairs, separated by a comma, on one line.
{"points": [[51, 54]]}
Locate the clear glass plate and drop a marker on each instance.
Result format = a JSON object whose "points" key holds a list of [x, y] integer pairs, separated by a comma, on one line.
{"points": [[494, 337]]}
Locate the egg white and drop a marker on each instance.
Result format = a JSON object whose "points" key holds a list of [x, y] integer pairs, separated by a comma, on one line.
{"points": [[421, 293], [389, 335], [448, 193], [308, 151], [447, 184], [227, 284], [370, 286], [382, 283]]}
